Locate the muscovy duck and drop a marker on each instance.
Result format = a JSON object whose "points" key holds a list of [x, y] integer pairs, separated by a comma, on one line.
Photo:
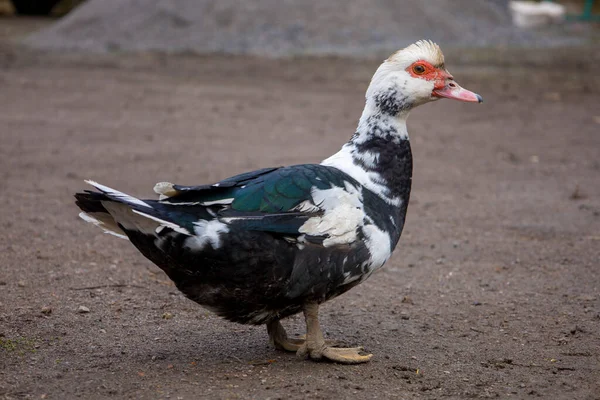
{"points": [[264, 245]]}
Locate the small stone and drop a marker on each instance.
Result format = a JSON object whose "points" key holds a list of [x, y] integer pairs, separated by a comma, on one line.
{"points": [[476, 303], [83, 310], [21, 284], [167, 315], [46, 310]]}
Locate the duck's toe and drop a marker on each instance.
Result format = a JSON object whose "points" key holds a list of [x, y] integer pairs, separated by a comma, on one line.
{"points": [[342, 355], [346, 355]]}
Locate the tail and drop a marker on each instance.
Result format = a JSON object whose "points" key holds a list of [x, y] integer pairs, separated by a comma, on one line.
{"points": [[116, 212], [94, 212]]}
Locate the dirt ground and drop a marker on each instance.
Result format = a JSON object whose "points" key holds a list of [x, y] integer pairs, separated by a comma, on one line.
{"points": [[493, 291]]}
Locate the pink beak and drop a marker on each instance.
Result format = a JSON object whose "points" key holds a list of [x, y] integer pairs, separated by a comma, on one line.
{"points": [[452, 90]]}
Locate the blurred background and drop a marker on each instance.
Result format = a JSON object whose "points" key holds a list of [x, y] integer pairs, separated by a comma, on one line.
{"points": [[357, 28], [493, 291]]}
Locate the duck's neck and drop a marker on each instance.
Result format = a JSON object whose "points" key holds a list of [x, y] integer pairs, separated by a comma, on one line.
{"points": [[378, 155]]}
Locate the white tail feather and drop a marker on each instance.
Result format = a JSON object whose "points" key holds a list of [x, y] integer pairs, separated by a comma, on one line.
{"points": [[105, 222], [120, 212], [118, 195]]}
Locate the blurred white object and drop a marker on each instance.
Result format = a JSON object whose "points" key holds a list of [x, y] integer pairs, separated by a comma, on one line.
{"points": [[531, 14]]}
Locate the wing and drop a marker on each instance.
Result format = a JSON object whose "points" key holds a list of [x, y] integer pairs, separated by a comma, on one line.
{"points": [[312, 200]]}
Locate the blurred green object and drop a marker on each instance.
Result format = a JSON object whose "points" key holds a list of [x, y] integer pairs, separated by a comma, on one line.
{"points": [[34, 7], [587, 14]]}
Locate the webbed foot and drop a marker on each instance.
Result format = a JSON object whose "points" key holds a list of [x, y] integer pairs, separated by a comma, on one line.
{"points": [[343, 355], [278, 338], [316, 348]]}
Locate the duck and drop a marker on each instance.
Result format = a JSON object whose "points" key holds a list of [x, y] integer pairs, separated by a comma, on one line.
{"points": [[264, 245]]}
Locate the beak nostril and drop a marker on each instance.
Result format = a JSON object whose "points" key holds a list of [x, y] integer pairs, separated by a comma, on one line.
{"points": [[452, 84]]}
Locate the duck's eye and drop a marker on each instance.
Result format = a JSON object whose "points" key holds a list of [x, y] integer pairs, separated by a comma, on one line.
{"points": [[419, 69]]}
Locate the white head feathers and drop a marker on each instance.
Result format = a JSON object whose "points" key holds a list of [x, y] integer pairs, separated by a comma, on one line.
{"points": [[392, 78], [425, 50]]}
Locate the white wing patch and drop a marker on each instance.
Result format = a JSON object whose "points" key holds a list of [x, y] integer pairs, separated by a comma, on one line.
{"points": [[207, 232], [343, 215], [118, 195], [306, 206], [342, 219]]}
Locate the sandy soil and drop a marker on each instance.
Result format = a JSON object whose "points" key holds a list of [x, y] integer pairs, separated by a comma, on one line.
{"points": [[493, 291]]}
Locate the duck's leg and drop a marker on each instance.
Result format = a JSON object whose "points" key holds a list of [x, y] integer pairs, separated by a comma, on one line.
{"points": [[278, 338], [316, 348]]}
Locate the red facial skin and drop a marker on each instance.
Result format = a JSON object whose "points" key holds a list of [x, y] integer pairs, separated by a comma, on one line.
{"points": [[443, 82], [438, 75]]}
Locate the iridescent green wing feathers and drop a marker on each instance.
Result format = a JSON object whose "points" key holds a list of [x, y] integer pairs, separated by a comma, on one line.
{"points": [[268, 199]]}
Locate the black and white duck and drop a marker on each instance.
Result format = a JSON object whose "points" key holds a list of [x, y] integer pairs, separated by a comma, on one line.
{"points": [[263, 245]]}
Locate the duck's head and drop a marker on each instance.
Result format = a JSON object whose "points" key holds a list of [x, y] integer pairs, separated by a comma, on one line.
{"points": [[414, 76]]}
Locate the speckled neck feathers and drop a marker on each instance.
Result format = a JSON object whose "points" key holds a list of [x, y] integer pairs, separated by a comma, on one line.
{"points": [[378, 155]]}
